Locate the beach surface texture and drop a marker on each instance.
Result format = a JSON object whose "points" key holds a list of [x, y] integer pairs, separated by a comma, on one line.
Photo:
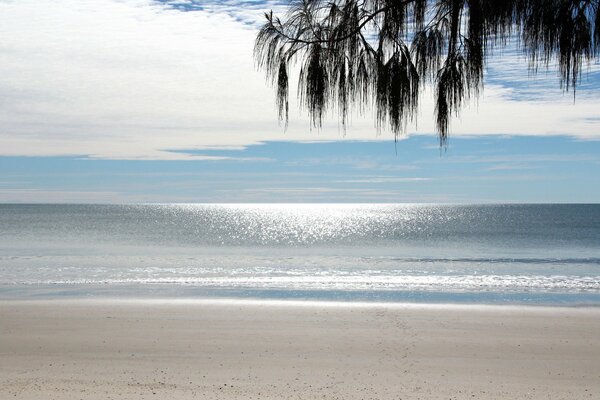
{"points": [[152, 349]]}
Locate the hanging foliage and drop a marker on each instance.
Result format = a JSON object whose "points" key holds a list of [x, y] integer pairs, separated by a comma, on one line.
{"points": [[382, 53]]}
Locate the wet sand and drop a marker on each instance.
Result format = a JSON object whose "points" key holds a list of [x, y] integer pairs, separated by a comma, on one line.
{"points": [[91, 349]]}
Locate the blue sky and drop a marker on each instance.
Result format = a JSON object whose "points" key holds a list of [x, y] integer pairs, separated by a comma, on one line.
{"points": [[159, 101], [482, 170]]}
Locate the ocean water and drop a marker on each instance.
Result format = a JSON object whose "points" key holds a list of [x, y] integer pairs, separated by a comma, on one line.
{"points": [[524, 254]]}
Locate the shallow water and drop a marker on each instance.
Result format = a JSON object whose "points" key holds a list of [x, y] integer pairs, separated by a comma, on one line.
{"points": [[536, 254]]}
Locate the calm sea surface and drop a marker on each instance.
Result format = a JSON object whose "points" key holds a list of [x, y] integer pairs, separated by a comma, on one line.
{"points": [[534, 254]]}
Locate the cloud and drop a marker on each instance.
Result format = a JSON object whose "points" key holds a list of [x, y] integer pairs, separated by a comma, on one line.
{"points": [[386, 179], [250, 12], [524, 157], [509, 69], [511, 167], [140, 79], [30, 195], [321, 193]]}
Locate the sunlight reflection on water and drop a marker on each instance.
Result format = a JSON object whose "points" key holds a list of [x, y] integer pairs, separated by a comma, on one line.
{"points": [[305, 246]]}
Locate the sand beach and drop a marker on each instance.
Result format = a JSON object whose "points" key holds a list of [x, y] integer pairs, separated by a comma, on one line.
{"points": [[128, 349]]}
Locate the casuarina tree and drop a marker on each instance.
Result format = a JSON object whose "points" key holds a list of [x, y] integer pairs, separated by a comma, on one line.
{"points": [[383, 53]]}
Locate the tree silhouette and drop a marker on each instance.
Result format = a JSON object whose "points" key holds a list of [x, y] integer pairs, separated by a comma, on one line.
{"points": [[382, 53]]}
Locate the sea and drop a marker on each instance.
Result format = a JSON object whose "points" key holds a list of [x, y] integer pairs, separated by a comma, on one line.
{"points": [[534, 254]]}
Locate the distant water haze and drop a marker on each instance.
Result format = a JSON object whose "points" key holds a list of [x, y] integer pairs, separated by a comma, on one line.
{"points": [[388, 252]]}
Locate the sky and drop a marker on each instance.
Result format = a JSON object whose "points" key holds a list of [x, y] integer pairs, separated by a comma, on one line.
{"points": [[125, 101]]}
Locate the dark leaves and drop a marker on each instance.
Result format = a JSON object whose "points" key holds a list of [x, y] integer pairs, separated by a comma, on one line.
{"points": [[397, 89], [427, 48], [563, 29], [282, 93], [453, 87], [313, 85], [356, 52]]}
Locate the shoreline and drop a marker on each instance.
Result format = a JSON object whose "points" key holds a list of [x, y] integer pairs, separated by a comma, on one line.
{"points": [[295, 303], [230, 349], [132, 292]]}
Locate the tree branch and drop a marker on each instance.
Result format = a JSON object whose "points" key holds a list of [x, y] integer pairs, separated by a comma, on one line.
{"points": [[369, 18]]}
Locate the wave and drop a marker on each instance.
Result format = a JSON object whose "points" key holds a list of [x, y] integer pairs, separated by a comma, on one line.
{"points": [[460, 283]]}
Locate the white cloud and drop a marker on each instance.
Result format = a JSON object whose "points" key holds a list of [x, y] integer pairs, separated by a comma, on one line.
{"points": [[133, 79], [386, 179], [57, 196]]}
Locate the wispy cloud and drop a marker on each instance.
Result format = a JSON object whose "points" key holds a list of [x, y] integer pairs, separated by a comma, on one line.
{"points": [[250, 12], [511, 167], [386, 179], [524, 157], [33, 195], [509, 69], [139, 79]]}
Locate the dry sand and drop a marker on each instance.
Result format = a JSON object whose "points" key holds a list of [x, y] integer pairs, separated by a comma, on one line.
{"points": [[213, 350]]}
